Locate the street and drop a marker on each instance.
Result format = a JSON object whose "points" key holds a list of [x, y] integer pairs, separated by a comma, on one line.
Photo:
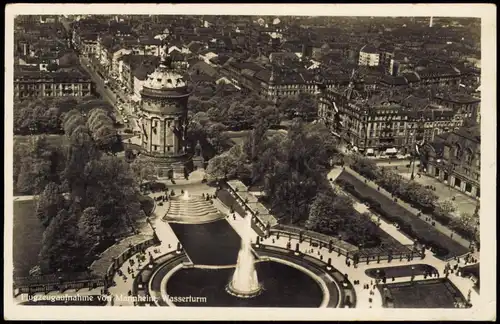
{"points": [[116, 97]]}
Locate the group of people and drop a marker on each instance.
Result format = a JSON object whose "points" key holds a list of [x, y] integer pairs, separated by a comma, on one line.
{"points": [[207, 196], [434, 189]]}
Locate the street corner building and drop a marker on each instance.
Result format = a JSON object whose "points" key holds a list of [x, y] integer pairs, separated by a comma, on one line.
{"points": [[454, 158]]}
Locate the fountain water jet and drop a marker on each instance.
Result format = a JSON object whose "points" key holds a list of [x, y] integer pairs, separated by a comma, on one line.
{"points": [[244, 283]]}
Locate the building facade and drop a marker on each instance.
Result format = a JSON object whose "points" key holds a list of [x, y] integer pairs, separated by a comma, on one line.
{"points": [[369, 56], [454, 158], [382, 126], [52, 84]]}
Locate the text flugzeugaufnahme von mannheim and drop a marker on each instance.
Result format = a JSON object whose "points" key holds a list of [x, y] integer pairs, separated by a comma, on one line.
{"points": [[115, 298]]}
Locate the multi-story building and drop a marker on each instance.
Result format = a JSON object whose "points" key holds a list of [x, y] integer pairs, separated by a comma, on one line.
{"points": [[52, 84], [134, 68], [399, 64], [455, 159], [442, 76], [280, 81], [386, 58], [379, 125], [369, 56], [86, 44], [466, 105]]}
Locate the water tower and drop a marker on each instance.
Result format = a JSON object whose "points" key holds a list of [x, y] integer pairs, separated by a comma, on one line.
{"points": [[163, 119]]}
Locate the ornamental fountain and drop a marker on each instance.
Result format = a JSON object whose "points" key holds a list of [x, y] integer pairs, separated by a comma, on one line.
{"points": [[244, 283]]}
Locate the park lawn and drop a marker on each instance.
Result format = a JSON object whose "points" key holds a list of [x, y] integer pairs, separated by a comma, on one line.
{"points": [[27, 237], [422, 228], [439, 293]]}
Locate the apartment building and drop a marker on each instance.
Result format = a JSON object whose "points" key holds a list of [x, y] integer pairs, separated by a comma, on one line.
{"points": [[51, 84]]}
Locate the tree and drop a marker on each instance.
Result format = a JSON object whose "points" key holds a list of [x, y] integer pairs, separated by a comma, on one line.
{"points": [[72, 120], [112, 189], [363, 166], [88, 104], [34, 174], [216, 136], [253, 143], [360, 230], [52, 67], [81, 150], [303, 105], [90, 230], [466, 221], [102, 129], [324, 216], [222, 166], [447, 206], [20, 151], [143, 170], [50, 202], [60, 249]]}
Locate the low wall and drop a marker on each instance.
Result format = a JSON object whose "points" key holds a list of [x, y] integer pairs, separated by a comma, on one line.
{"points": [[60, 286], [325, 241], [339, 246]]}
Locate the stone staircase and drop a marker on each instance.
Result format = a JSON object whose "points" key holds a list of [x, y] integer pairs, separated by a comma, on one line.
{"points": [[193, 210]]}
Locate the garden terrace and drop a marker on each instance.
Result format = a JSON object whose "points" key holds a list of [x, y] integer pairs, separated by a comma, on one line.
{"points": [[409, 223], [247, 197], [434, 293], [400, 271]]}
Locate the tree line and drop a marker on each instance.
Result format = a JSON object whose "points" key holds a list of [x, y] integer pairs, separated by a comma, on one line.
{"points": [[44, 115], [217, 108], [88, 197], [291, 168]]}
